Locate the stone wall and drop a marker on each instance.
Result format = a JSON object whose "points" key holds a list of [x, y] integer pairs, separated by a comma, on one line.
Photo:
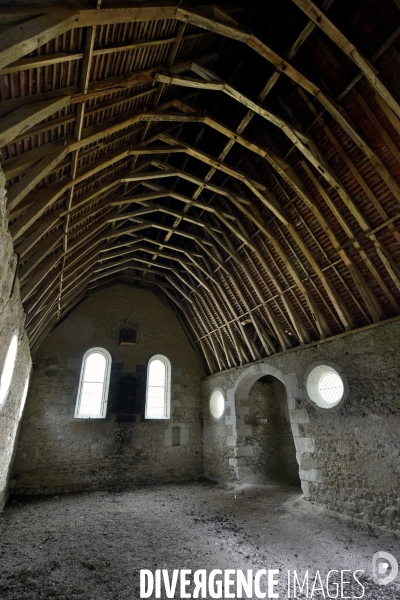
{"points": [[58, 453], [12, 318], [349, 459], [269, 435]]}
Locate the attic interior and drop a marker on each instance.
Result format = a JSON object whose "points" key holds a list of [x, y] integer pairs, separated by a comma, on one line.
{"points": [[200, 282]]}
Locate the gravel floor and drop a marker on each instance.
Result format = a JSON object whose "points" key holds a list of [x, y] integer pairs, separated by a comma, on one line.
{"points": [[92, 546]]}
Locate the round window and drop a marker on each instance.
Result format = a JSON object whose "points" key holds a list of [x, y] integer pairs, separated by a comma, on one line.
{"points": [[217, 404], [8, 368], [326, 385]]}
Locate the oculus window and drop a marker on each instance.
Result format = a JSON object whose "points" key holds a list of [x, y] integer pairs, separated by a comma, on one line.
{"points": [[93, 385], [326, 385], [8, 367], [217, 404], [158, 389]]}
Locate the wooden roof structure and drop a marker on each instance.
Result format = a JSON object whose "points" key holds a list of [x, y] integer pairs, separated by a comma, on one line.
{"points": [[242, 158]]}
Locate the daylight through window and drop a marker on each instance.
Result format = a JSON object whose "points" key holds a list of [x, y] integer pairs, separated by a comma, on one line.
{"points": [[325, 385], [8, 368], [93, 386], [158, 393]]}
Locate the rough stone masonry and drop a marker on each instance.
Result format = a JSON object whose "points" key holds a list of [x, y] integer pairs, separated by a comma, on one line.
{"points": [[60, 453], [12, 318], [347, 460]]}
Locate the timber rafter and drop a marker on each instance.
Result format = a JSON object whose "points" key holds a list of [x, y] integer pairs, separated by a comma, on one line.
{"points": [[135, 148]]}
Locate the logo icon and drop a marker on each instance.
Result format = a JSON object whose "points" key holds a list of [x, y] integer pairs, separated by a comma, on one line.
{"points": [[384, 568]]}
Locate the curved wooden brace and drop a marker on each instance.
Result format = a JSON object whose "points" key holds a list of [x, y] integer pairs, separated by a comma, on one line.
{"points": [[370, 72], [336, 300]]}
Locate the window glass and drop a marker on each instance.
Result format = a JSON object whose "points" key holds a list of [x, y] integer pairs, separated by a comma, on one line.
{"points": [[331, 387], [158, 388], [93, 388], [8, 368], [326, 385], [217, 404]]}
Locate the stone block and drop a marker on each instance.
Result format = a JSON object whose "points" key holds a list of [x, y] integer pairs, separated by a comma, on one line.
{"points": [[244, 451], [306, 461], [246, 430], [299, 416], [305, 486], [296, 431], [304, 444], [311, 475], [230, 402]]}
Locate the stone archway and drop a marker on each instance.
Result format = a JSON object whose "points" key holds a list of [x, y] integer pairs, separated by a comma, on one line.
{"points": [[242, 431]]}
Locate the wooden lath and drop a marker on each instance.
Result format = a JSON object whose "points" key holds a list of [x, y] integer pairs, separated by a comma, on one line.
{"points": [[259, 247]]}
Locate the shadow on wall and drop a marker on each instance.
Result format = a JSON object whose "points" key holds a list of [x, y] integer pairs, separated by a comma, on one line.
{"points": [[273, 449]]}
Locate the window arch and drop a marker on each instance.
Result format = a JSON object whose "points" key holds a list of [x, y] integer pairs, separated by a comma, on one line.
{"points": [[8, 367], [92, 397], [158, 389]]}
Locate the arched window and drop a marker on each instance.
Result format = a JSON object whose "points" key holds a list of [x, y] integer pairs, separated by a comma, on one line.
{"points": [[158, 392], [93, 385], [8, 367]]}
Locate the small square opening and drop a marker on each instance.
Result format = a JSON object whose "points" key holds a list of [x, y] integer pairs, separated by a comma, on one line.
{"points": [[127, 337]]}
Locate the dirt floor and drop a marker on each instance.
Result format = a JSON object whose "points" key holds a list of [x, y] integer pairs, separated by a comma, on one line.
{"points": [[92, 546]]}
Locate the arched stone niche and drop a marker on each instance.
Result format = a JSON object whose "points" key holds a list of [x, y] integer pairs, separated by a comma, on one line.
{"points": [[236, 398]]}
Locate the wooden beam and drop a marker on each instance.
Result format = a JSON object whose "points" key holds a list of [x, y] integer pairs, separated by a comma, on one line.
{"points": [[25, 117], [300, 140], [110, 85], [41, 200], [26, 37], [137, 214], [35, 280], [204, 20], [318, 316], [337, 301], [39, 61], [39, 256], [370, 72], [18, 164], [33, 176]]}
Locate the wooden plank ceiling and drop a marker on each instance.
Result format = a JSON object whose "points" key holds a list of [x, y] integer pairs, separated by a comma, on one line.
{"points": [[244, 160]]}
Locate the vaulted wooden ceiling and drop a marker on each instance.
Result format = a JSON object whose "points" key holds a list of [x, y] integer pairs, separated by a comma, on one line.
{"points": [[243, 159]]}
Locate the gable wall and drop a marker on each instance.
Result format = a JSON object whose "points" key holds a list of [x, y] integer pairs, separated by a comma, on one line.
{"points": [[58, 453]]}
